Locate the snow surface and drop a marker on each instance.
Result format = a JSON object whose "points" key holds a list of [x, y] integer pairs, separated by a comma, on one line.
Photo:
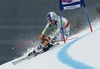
{"points": [[80, 53]]}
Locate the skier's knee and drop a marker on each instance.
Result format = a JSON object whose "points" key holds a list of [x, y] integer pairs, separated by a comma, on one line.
{"points": [[46, 48]]}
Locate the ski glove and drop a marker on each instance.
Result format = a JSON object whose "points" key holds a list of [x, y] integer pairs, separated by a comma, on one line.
{"points": [[46, 41], [41, 37]]}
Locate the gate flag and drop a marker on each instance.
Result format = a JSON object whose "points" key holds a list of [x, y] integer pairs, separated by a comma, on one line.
{"points": [[71, 4]]}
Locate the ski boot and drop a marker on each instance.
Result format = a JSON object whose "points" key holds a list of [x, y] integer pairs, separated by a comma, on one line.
{"points": [[32, 53]]}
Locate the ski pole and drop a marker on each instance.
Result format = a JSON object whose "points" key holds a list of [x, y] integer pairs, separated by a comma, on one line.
{"points": [[67, 39], [71, 38], [28, 42]]}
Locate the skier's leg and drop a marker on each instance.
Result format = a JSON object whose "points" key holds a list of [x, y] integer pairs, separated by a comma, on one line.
{"points": [[67, 31], [39, 49], [46, 48]]}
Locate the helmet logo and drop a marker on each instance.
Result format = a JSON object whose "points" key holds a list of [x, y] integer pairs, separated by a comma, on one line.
{"points": [[48, 17]]}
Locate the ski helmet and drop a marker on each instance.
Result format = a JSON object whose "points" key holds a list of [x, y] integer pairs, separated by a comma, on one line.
{"points": [[51, 16]]}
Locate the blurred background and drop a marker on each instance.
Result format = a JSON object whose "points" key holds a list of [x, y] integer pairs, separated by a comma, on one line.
{"points": [[23, 20]]}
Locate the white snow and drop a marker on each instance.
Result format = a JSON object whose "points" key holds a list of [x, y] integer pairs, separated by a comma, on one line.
{"points": [[84, 50]]}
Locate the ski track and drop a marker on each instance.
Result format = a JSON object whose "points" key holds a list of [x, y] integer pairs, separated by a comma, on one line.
{"points": [[66, 59]]}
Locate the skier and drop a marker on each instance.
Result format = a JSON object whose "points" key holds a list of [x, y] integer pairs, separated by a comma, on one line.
{"points": [[48, 39]]}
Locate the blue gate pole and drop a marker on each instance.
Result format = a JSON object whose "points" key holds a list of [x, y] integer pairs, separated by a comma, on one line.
{"points": [[88, 19]]}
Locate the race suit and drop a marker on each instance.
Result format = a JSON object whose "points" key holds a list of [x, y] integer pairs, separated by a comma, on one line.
{"points": [[57, 32]]}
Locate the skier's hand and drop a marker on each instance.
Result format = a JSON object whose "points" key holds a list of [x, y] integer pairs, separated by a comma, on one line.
{"points": [[41, 37], [46, 41]]}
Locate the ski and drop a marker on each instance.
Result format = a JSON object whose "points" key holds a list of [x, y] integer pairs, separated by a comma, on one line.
{"points": [[23, 59]]}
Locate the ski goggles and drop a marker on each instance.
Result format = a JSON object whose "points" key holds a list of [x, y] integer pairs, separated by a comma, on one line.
{"points": [[50, 21]]}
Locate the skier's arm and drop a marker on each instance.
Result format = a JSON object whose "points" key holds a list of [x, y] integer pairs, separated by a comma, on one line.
{"points": [[45, 31]]}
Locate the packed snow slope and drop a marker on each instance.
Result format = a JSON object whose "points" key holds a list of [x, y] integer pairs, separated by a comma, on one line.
{"points": [[80, 53]]}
